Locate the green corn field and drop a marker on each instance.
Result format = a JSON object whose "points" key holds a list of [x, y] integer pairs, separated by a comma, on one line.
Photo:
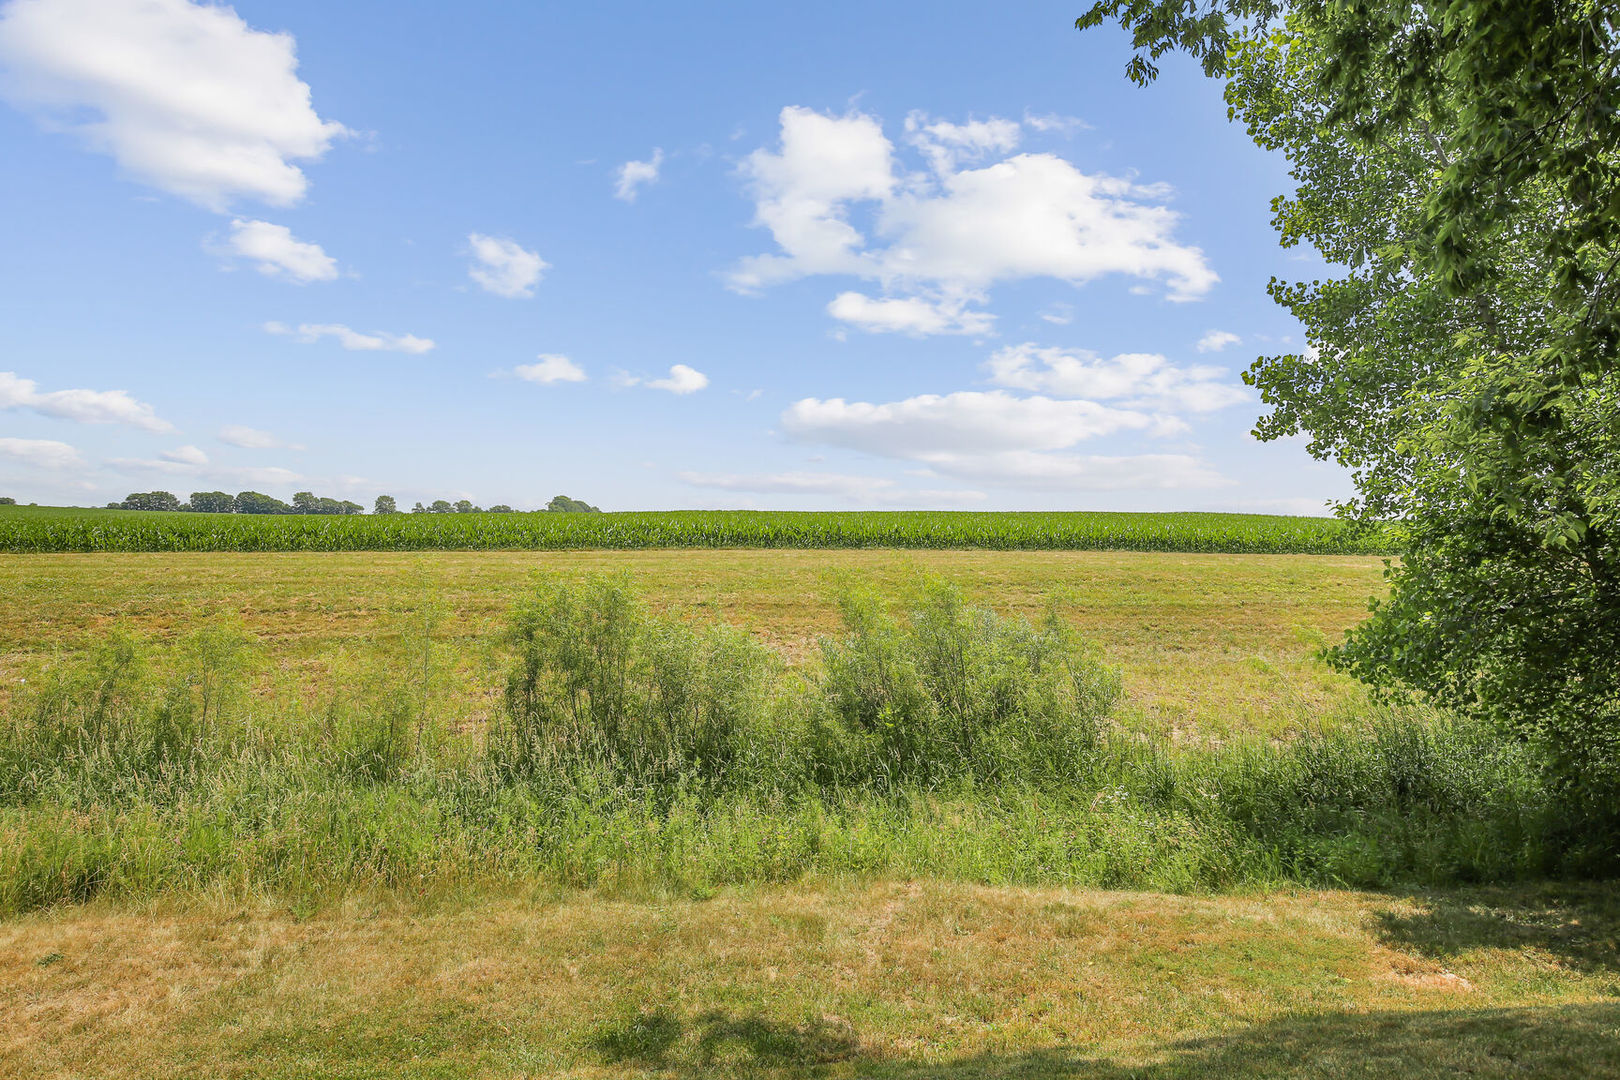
{"points": [[50, 529]]}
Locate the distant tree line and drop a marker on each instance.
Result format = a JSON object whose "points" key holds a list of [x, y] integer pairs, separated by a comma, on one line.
{"points": [[559, 504], [305, 502]]}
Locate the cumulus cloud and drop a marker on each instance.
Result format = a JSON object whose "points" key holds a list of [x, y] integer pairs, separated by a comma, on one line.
{"points": [[1216, 340], [912, 315], [1136, 380], [949, 235], [855, 489], [552, 368], [503, 267], [377, 341], [803, 192], [40, 453], [680, 380], [83, 406], [184, 96], [633, 174], [277, 253], [253, 439]]}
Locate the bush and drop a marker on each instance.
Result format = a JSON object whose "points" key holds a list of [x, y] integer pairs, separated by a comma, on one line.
{"points": [[597, 682], [958, 691]]}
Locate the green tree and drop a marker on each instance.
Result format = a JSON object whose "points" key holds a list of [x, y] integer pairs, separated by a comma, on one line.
{"points": [[1460, 159], [7, 500], [441, 506], [419, 509], [254, 502], [563, 504], [150, 500], [500, 508], [385, 505], [212, 502], [465, 506]]}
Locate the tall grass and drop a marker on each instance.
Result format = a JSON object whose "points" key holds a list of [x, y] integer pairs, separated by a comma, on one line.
{"points": [[630, 749], [46, 529]]}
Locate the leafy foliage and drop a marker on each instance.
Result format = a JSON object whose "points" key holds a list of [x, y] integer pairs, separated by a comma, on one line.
{"points": [[1461, 160]]}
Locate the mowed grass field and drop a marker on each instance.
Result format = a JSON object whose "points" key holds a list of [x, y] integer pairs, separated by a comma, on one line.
{"points": [[827, 976], [1206, 643], [907, 980]]}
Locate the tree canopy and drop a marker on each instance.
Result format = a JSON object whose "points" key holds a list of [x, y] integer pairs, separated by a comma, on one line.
{"points": [[1459, 161]]}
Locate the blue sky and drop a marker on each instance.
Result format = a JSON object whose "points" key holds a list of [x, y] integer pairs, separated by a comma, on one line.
{"points": [[730, 255]]}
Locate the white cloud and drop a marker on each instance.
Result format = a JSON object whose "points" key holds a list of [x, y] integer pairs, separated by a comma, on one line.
{"points": [[1059, 314], [280, 254], [802, 194], [41, 453], [1216, 340], [230, 476], [968, 421], [855, 489], [1049, 122], [552, 368], [947, 145], [185, 455], [680, 380], [83, 406], [1082, 472], [503, 267], [1137, 380], [632, 174], [377, 341], [253, 439], [949, 237], [999, 438], [184, 96], [912, 315]]}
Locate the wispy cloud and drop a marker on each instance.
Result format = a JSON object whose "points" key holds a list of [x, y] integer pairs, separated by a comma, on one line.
{"points": [[376, 341], [632, 175]]}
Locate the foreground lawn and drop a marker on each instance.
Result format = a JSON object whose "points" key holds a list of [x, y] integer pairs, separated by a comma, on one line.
{"points": [[912, 980], [1209, 644]]}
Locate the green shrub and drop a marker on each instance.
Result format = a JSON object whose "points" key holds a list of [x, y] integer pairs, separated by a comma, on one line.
{"points": [[596, 681], [960, 692]]}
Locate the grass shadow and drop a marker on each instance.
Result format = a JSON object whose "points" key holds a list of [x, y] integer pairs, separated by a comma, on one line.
{"points": [[658, 1038], [1534, 1043], [1579, 924]]}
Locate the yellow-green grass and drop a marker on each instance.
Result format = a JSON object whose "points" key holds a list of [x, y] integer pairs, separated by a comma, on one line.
{"points": [[919, 980], [1207, 643], [908, 980]]}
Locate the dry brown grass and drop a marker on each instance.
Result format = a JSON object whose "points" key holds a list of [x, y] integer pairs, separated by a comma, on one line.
{"points": [[903, 979]]}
